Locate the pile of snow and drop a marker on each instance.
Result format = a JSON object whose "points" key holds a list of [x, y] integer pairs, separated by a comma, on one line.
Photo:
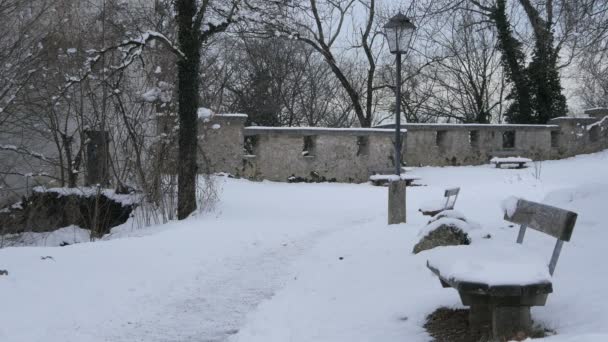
{"points": [[463, 226], [451, 213]]}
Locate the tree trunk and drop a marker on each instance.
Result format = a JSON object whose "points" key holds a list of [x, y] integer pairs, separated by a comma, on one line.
{"points": [[188, 92]]}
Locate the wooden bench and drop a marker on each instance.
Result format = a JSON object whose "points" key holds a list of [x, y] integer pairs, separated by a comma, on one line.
{"points": [[519, 161], [500, 282], [432, 209]]}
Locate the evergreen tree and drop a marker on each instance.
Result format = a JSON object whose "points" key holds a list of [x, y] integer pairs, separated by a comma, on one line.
{"points": [[537, 92], [513, 60], [548, 100]]}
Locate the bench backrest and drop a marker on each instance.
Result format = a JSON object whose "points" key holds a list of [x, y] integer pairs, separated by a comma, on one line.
{"points": [[547, 219], [451, 195]]}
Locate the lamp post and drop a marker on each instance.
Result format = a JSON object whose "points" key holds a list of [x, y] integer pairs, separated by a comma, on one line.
{"points": [[399, 32]]}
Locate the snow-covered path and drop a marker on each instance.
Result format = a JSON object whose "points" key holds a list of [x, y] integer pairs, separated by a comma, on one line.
{"points": [[300, 262], [185, 281]]}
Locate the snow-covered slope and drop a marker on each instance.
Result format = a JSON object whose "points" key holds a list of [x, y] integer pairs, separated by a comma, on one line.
{"points": [[302, 262]]}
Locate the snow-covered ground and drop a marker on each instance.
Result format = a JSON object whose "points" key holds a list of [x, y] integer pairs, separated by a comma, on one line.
{"points": [[302, 262]]}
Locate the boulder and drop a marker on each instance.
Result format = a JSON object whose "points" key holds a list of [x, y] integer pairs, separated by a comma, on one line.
{"points": [[48, 210], [445, 231]]}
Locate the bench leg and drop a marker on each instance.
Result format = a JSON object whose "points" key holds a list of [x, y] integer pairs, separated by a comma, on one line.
{"points": [[497, 165], [480, 319], [510, 321]]}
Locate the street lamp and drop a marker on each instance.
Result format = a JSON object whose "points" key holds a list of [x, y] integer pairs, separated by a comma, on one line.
{"points": [[399, 32]]}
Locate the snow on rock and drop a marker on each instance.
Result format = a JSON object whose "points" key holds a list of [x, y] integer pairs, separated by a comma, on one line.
{"points": [[451, 213], [124, 199], [216, 126], [492, 263], [447, 222], [443, 232]]}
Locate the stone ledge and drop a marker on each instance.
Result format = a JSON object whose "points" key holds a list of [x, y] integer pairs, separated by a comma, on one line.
{"points": [[477, 127], [307, 131]]}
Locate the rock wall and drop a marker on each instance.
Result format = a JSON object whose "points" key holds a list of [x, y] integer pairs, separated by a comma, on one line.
{"points": [[317, 154], [45, 211], [352, 154], [474, 144]]}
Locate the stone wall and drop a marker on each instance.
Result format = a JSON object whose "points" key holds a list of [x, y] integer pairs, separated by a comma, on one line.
{"points": [[581, 135], [351, 154], [474, 144], [221, 143], [317, 154]]}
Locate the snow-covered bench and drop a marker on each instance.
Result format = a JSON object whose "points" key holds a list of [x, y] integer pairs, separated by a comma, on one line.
{"points": [[519, 161], [383, 179], [434, 208], [500, 282]]}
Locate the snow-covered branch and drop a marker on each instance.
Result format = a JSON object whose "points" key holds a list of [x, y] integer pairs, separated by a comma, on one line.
{"points": [[25, 151]]}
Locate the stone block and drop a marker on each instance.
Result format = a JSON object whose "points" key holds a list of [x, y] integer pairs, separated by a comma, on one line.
{"points": [[396, 202], [509, 322]]}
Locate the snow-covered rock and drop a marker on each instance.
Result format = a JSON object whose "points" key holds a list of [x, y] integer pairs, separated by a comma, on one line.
{"points": [[443, 231]]}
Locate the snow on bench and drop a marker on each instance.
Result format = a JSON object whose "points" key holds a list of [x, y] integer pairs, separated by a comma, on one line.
{"points": [[501, 282], [383, 179], [490, 263], [435, 207], [520, 161]]}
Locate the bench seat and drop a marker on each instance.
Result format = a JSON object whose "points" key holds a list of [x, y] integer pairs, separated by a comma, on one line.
{"points": [[384, 179], [489, 263], [435, 207], [520, 161], [432, 208]]}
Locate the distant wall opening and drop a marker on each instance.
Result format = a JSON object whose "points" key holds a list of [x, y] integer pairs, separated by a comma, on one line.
{"points": [[508, 139], [474, 139], [554, 139], [440, 139], [251, 145], [309, 146], [594, 134], [362, 145]]}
